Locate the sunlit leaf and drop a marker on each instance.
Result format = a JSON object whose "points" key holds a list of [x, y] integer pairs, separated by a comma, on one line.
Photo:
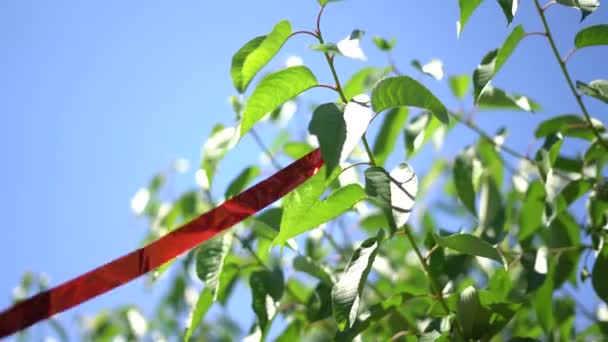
{"points": [[467, 7], [302, 209], [383, 44], [468, 244], [405, 91], [460, 85], [219, 142], [254, 55], [494, 60], [274, 90], [363, 80], [203, 303], [532, 210], [346, 293], [599, 277], [597, 89], [568, 125], [241, 181]]}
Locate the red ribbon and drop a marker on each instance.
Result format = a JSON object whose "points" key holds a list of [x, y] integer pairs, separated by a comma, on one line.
{"points": [[143, 260]]}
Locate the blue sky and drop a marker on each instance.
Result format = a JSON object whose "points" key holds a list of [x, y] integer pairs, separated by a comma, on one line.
{"points": [[97, 96]]}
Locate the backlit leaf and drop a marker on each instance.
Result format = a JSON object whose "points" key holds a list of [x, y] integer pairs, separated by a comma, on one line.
{"points": [[592, 36], [467, 7], [210, 258], [241, 181], [256, 53], [459, 85], [203, 303], [597, 89], [405, 91], [468, 244], [274, 90]]}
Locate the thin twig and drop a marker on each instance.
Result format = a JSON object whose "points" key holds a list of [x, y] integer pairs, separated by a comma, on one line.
{"points": [[568, 55], [548, 4], [562, 65], [303, 32], [261, 144]]}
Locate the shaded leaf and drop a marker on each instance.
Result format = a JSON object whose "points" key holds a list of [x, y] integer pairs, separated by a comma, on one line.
{"points": [[496, 99], [509, 8], [363, 80], [468, 244], [347, 291], [267, 290], [568, 125], [311, 267], [241, 181], [256, 53], [418, 131], [383, 44], [405, 91], [329, 126], [274, 90], [463, 179], [592, 36], [219, 142], [391, 127], [532, 210]]}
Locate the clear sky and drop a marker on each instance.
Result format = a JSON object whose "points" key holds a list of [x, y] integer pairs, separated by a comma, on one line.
{"points": [[96, 96]]}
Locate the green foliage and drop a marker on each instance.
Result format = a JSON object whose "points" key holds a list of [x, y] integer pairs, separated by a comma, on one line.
{"points": [[483, 249]]}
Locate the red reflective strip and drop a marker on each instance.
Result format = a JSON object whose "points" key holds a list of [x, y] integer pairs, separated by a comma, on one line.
{"points": [[139, 262]]}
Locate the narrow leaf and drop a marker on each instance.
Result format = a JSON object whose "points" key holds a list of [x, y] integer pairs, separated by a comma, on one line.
{"points": [[532, 210], [467, 7], [494, 60], [592, 36], [463, 180], [599, 278], [468, 244], [256, 53], [347, 291], [597, 89], [274, 90], [203, 303], [405, 91], [210, 258], [509, 8]]}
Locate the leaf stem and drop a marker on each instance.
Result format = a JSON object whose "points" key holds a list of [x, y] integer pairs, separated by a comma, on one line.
{"points": [[261, 144], [568, 55], [434, 283], [368, 150], [303, 32], [548, 4], [562, 65]]}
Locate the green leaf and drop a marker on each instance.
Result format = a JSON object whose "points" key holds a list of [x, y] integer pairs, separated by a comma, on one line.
{"points": [[326, 47], [532, 210], [405, 91], [542, 301], [597, 89], [568, 125], [302, 209], [297, 150], [433, 68], [307, 265], [325, 2], [418, 131], [210, 258], [330, 128], [491, 211], [585, 6], [468, 244], [389, 132], [469, 311], [509, 8], [339, 130], [346, 292], [547, 154], [592, 36], [467, 7], [494, 60], [396, 191], [599, 277], [274, 90], [241, 181], [254, 55], [363, 80], [459, 85], [203, 303], [496, 99], [463, 179], [220, 141], [267, 289], [383, 44]]}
